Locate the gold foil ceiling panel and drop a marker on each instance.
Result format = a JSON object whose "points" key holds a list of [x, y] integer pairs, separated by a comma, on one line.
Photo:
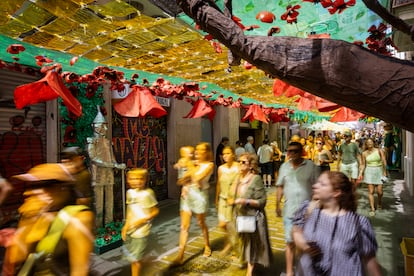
{"points": [[140, 38], [97, 54], [59, 7], [39, 38], [60, 26], [8, 8], [15, 28], [60, 44], [34, 15], [114, 9], [80, 49]]}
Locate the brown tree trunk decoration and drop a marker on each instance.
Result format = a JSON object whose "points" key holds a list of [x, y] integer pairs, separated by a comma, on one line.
{"points": [[335, 70]]}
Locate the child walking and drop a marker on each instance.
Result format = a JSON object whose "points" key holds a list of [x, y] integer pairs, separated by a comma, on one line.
{"points": [[141, 209]]}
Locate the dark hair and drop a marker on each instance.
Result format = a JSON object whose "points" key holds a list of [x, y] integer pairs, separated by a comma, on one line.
{"points": [[266, 141], [348, 198], [239, 143], [296, 144], [224, 139]]}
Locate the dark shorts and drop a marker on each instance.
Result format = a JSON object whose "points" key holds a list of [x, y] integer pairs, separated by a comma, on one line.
{"points": [[267, 168]]}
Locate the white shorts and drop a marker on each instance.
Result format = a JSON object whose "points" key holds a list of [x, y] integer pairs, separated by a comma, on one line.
{"points": [[351, 170]]}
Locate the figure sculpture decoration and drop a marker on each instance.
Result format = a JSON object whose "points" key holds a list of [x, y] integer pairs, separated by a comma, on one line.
{"points": [[102, 166]]}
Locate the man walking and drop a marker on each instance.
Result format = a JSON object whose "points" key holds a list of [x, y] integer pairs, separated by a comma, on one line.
{"points": [[265, 153], [349, 157], [295, 181], [249, 145]]}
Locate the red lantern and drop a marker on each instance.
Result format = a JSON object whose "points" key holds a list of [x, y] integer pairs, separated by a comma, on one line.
{"points": [[266, 16]]}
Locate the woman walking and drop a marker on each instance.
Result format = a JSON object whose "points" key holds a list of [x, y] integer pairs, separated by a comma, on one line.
{"points": [[373, 169]]}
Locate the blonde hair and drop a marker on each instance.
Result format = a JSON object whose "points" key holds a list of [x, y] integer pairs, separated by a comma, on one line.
{"points": [[137, 171]]}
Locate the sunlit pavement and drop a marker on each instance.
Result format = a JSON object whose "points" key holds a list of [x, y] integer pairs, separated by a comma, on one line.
{"points": [[393, 222]]}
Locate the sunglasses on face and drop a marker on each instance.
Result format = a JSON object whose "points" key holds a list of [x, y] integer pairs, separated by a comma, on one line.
{"points": [[243, 162], [293, 151], [319, 143]]}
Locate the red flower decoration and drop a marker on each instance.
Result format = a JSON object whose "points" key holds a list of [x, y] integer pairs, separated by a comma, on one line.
{"points": [[91, 90], [70, 135], [339, 5], [266, 16], [291, 14], [273, 30], [15, 49], [73, 60], [41, 59], [376, 33]]}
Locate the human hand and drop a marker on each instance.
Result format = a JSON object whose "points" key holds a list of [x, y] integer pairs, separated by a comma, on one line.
{"points": [[278, 212], [123, 233]]}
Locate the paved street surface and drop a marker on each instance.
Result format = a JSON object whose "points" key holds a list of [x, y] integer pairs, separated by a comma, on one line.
{"points": [[391, 224]]}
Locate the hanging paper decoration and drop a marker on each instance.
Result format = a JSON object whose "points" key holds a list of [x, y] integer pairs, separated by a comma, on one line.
{"points": [[139, 103], [255, 112], [15, 49], [291, 14], [345, 114], [201, 108], [265, 16], [48, 88]]}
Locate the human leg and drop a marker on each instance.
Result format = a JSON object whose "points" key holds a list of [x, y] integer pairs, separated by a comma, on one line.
{"points": [[289, 256], [371, 190], [379, 193], [201, 219], [135, 268], [184, 228], [249, 271]]}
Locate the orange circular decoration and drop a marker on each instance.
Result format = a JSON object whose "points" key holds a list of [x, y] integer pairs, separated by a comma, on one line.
{"points": [[265, 16]]}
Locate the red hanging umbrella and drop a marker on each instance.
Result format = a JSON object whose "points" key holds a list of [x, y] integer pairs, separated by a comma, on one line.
{"points": [[255, 112], [139, 103], [201, 108], [345, 114], [48, 88]]}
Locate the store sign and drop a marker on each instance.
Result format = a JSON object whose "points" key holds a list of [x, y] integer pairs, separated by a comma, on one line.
{"points": [[163, 101]]}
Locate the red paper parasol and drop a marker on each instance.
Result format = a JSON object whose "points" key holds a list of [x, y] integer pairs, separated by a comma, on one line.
{"points": [[255, 112], [345, 114], [48, 88], [201, 108], [139, 103]]}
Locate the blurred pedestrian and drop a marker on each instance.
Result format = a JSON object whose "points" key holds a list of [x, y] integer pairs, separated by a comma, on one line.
{"points": [[265, 153], [334, 239], [74, 160], [373, 170], [249, 146], [227, 175], [141, 210], [219, 155], [51, 225], [277, 159], [322, 157], [294, 184], [5, 189], [196, 200], [251, 201], [184, 163], [349, 158], [239, 149]]}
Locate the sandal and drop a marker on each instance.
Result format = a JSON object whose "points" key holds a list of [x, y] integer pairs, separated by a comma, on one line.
{"points": [[371, 213], [207, 252]]}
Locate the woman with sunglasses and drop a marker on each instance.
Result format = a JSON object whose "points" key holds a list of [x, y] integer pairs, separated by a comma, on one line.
{"points": [[321, 156], [250, 200]]}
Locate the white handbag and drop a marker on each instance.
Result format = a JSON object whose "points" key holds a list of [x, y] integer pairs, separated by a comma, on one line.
{"points": [[246, 224]]}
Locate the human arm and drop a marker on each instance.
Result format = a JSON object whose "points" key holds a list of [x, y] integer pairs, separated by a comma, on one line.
{"points": [[279, 195], [371, 266], [5, 189], [218, 185], [384, 162], [256, 196], [362, 165]]}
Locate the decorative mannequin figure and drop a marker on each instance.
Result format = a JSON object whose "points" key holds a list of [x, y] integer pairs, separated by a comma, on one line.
{"points": [[102, 163]]}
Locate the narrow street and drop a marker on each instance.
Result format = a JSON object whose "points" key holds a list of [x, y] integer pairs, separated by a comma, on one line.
{"points": [[391, 224]]}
